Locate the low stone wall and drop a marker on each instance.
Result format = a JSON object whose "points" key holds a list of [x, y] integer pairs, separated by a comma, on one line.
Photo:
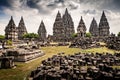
{"points": [[84, 43], [24, 55], [31, 56]]}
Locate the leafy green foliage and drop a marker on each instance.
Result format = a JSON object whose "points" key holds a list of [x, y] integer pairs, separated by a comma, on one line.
{"points": [[74, 35], [88, 34], [2, 37], [119, 34], [30, 35], [9, 42]]}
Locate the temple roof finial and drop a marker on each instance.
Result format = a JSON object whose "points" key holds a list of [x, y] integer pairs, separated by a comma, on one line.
{"points": [[66, 11]]}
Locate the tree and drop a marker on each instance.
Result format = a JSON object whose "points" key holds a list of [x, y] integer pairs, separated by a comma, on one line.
{"points": [[30, 35], [119, 34], [2, 37], [74, 35], [88, 34]]}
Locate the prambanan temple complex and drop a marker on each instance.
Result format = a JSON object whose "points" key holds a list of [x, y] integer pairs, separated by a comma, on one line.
{"points": [[63, 28], [63, 31], [78, 66]]}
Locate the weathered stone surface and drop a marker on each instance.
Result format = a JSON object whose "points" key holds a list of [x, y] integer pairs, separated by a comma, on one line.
{"points": [[94, 28], [21, 29], [68, 25], [58, 28], [63, 28], [7, 62], [14, 33], [72, 67], [84, 43], [24, 54], [113, 43], [11, 31], [81, 29], [42, 31], [104, 26]]}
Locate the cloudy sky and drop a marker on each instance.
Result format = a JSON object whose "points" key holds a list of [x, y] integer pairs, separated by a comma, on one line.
{"points": [[33, 11]]}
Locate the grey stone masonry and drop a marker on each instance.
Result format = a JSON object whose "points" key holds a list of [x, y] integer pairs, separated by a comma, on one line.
{"points": [[58, 28], [81, 29], [68, 24], [42, 31], [11, 30], [104, 26], [94, 28], [21, 28]]}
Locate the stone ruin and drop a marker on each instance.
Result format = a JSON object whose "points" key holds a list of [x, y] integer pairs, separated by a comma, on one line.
{"points": [[84, 43], [23, 53], [63, 44], [45, 44], [7, 62], [87, 66], [113, 43]]}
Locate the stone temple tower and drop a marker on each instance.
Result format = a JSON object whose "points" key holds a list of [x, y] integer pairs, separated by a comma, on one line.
{"points": [[104, 26], [42, 31], [21, 28], [81, 29], [11, 30], [68, 24], [94, 28], [58, 28]]}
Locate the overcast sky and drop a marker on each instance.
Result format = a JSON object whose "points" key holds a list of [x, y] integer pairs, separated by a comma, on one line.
{"points": [[33, 11]]}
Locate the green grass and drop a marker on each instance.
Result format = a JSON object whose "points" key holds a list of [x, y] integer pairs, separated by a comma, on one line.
{"points": [[23, 69], [100, 50]]}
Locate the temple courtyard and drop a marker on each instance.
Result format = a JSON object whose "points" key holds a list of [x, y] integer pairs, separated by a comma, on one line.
{"points": [[23, 70]]}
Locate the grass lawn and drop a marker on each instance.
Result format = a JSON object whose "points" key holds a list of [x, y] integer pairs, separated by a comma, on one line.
{"points": [[23, 69]]}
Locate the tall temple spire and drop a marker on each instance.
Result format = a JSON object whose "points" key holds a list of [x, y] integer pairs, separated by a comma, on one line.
{"points": [[103, 14], [103, 17], [66, 11], [81, 21], [21, 28], [82, 24], [81, 29], [42, 26], [59, 13], [58, 28], [42, 31], [11, 30], [22, 19], [11, 18], [68, 24], [94, 28], [21, 23], [11, 22], [104, 26], [58, 16]]}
